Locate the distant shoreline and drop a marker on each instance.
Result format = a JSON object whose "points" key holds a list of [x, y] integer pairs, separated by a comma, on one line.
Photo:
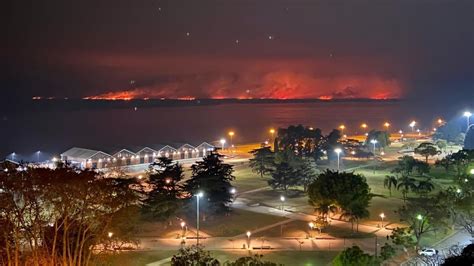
{"points": [[45, 104]]}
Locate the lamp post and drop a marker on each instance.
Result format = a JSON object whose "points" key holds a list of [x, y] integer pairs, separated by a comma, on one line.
{"points": [[468, 114], [231, 135], [198, 195], [248, 239], [282, 199], [382, 216], [338, 152], [364, 126], [342, 127], [13, 156], [412, 125], [374, 141], [386, 125], [222, 141], [311, 226], [38, 156]]}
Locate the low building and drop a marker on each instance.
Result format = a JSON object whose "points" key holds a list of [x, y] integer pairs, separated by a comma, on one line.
{"points": [[86, 158]]}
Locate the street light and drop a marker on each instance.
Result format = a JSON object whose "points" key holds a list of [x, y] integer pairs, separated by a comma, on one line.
{"points": [[311, 226], [222, 141], [412, 125], [248, 239], [342, 127], [419, 217], [472, 171], [282, 199], [272, 132], [386, 125], [382, 216], [338, 152], [38, 156], [231, 134], [364, 126], [374, 141], [467, 114], [233, 191], [13, 156], [198, 195], [110, 234]]}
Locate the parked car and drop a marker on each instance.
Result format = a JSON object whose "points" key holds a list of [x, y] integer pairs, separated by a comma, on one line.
{"points": [[427, 252]]}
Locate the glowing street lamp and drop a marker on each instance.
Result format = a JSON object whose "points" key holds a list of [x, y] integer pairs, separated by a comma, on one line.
{"points": [[272, 132], [311, 226], [338, 152], [471, 172], [110, 234], [382, 216], [231, 134], [374, 141], [282, 199], [248, 238], [222, 141], [342, 127], [38, 156], [468, 114], [13, 156], [419, 217], [440, 121], [386, 125], [198, 196], [412, 125], [364, 126]]}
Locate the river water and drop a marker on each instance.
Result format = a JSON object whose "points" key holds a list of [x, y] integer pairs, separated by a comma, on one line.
{"points": [[52, 132]]}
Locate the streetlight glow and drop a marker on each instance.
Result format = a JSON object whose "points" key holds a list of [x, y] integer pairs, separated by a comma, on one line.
{"points": [[419, 217], [222, 141], [386, 124], [338, 152]]}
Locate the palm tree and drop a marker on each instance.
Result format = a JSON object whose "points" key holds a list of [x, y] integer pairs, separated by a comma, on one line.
{"points": [[406, 183], [424, 187], [390, 181]]}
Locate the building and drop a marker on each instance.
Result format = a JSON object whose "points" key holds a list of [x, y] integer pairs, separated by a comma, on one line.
{"points": [[137, 156], [86, 158]]}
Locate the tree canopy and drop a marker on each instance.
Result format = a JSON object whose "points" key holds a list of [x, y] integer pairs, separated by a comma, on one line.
{"points": [[212, 177]]}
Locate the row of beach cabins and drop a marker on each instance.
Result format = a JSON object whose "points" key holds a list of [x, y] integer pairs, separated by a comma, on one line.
{"points": [[94, 159]]}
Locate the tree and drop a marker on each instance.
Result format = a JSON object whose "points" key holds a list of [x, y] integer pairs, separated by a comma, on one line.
{"points": [[405, 166], [308, 172], [424, 187], [212, 177], [284, 177], [255, 260], [421, 167], [465, 258], [194, 255], [403, 236], [354, 256], [60, 216], [406, 184], [303, 141], [441, 144], [262, 161], [423, 216], [427, 149], [469, 140], [382, 138], [390, 181], [348, 191], [164, 198], [387, 251]]}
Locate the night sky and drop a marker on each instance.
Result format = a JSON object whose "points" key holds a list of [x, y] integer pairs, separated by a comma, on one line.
{"points": [[238, 49]]}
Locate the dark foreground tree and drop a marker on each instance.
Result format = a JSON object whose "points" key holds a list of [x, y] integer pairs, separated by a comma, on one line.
{"points": [[58, 217], [466, 258], [193, 255], [212, 177], [262, 161], [354, 256], [164, 199]]}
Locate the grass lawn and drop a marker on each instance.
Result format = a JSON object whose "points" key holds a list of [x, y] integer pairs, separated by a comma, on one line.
{"points": [[238, 222], [430, 238], [246, 180]]}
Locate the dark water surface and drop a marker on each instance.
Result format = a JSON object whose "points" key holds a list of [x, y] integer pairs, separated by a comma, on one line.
{"points": [[54, 131]]}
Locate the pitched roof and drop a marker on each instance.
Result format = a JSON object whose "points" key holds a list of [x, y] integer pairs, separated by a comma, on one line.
{"points": [[80, 153]]}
